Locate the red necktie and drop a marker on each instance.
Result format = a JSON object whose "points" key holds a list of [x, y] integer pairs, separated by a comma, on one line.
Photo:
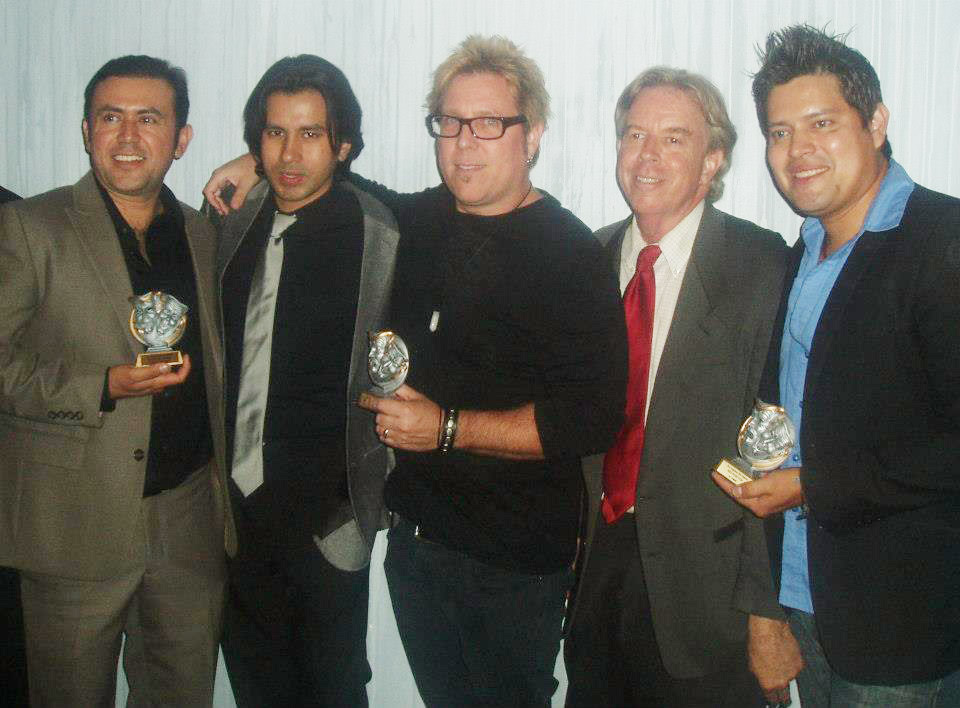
{"points": [[622, 462]]}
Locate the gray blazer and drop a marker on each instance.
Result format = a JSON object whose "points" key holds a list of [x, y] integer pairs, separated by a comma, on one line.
{"points": [[704, 556], [71, 480], [348, 538]]}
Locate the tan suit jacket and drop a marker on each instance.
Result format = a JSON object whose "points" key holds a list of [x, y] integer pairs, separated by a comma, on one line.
{"points": [[71, 479]]}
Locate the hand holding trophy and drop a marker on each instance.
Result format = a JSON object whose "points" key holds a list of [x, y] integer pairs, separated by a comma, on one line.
{"points": [[765, 440]]}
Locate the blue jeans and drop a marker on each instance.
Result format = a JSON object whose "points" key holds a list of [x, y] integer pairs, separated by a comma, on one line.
{"points": [[821, 687], [475, 635]]}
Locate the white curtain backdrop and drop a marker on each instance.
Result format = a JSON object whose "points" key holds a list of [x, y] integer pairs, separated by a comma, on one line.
{"points": [[587, 50]]}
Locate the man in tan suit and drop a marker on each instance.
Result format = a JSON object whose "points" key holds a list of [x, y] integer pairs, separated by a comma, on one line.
{"points": [[112, 495]]}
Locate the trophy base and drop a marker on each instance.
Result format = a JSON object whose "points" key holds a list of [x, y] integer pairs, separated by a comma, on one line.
{"points": [[732, 472], [172, 357]]}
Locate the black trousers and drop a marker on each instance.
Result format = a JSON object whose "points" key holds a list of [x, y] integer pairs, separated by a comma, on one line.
{"points": [[611, 653], [295, 626], [13, 664], [474, 635]]}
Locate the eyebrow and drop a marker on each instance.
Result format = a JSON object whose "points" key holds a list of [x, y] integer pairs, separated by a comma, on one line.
{"points": [[140, 111], [311, 126], [812, 115], [669, 129]]}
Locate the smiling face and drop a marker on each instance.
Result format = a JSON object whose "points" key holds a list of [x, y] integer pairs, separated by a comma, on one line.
{"points": [[297, 156], [131, 136], [663, 166], [825, 162], [487, 177]]}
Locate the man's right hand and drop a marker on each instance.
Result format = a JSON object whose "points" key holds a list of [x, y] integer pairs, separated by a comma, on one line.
{"points": [[126, 380], [239, 172]]}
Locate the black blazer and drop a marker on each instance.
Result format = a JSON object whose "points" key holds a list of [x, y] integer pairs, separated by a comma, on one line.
{"points": [[880, 444]]}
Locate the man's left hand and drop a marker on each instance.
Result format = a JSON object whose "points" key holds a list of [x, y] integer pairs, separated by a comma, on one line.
{"points": [[774, 657], [408, 421], [775, 492]]}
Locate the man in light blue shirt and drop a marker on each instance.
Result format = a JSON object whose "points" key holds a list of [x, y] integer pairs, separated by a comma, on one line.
{"points": [[865, 359]]}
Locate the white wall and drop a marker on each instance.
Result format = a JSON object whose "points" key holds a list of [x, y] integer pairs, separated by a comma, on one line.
{"points": [[588, 51]]}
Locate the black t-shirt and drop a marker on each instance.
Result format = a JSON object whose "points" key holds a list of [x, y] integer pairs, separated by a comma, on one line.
{"points": [[527, 311]]}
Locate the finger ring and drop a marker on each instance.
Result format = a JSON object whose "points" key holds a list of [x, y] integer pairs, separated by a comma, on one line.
{"points": [[386, 433]]}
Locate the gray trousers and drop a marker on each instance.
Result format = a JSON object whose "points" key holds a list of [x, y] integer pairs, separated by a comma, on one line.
{"points": [[169, 608]]}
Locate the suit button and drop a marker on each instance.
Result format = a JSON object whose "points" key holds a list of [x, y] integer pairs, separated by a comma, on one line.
{"points": [[138, 454]]}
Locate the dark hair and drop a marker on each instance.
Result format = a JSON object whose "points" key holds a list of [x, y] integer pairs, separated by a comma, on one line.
{"points": [[142, 66], [800, 50], [307, 73]]}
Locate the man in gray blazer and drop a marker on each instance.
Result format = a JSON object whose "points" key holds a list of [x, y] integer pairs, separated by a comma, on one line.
{"points": [[112, 488], [675, 599], [305, 267]]}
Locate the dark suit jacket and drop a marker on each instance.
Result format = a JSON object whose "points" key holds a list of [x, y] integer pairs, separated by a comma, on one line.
{"points": [[880, 442], [71, 480], [349, 538], [704, 556]]}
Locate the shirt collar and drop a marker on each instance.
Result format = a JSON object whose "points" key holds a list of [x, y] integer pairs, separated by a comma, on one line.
{"points": [[675, 246], [171, 209], [885, 213]]}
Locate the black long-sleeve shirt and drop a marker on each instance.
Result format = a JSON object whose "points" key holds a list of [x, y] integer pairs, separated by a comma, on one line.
{"points": [[527, 311]]}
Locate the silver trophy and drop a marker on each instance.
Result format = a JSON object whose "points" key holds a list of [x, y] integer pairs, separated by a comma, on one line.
{"points": [[388, 361], [765, 440], [158, 320]]}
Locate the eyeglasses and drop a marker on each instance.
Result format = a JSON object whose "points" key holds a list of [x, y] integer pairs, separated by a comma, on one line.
{"points": [[483, 127]]}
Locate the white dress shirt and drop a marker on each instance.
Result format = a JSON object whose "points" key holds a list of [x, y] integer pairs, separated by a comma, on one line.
{"points": [[675, 246]]}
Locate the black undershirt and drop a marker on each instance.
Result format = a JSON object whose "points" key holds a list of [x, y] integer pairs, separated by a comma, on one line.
{"points": [[316, 308], [180, 437]]}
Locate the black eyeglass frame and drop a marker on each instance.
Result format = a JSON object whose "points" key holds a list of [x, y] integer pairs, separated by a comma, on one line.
{"points": [[505, 122]]}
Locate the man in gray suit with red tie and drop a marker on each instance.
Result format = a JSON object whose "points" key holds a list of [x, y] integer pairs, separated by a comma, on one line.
{"points": [[675, 607]]}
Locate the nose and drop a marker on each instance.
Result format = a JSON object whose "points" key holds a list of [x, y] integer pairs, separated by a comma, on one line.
{"points": [[291, 149], [129, 130], [800, 143], [648, 150], [465, 137]]}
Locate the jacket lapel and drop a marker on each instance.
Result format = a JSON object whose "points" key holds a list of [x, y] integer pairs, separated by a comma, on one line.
{"points": [[831, 319], [376, 279], [98, 237], [693, 328]]}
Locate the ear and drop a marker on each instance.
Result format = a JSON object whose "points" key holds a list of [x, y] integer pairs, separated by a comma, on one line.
{"points": [[344, 151], [85, 129], [711, 163], [878, 125], [183, 139], [533, 139]]}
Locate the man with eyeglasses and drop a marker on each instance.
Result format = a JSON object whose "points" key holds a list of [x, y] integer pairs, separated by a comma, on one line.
{"points": [[517, 369]]}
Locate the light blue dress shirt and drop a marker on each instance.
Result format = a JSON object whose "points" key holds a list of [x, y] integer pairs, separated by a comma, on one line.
{"points": [[811, 288]]}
